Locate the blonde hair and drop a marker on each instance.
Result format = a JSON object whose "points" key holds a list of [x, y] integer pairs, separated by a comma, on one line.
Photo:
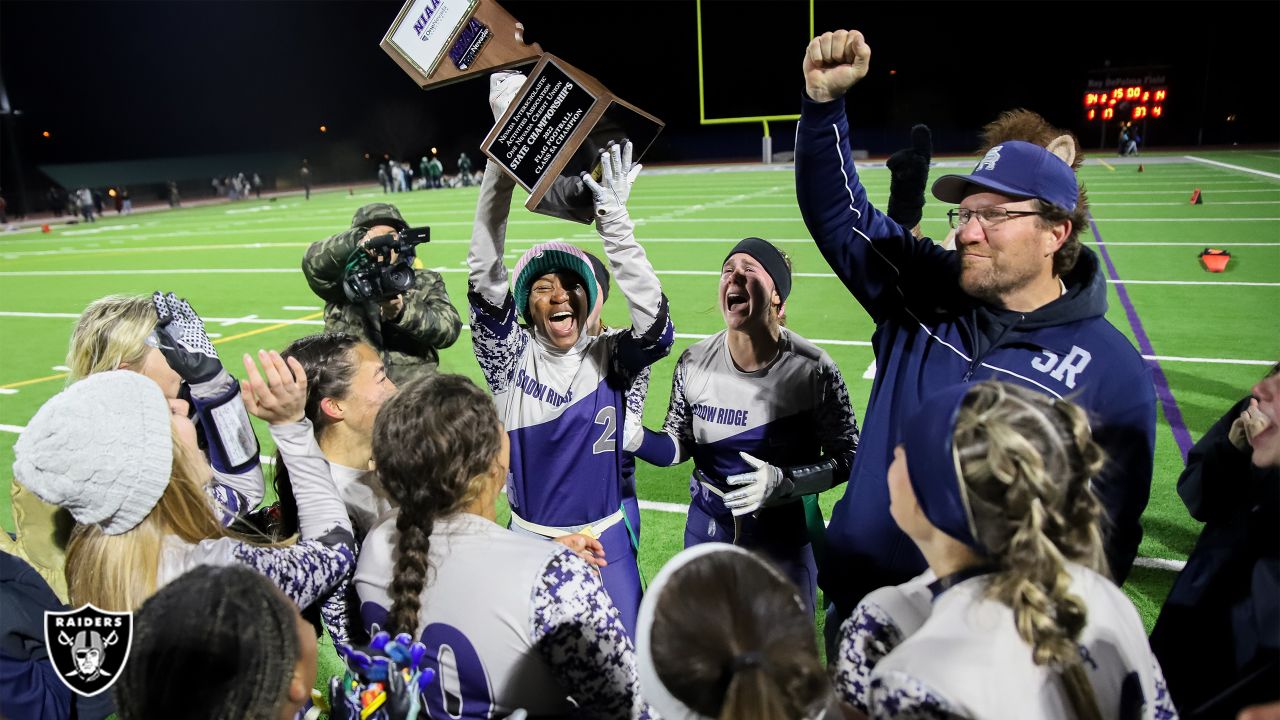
{"points": [[111, 332], [1027, 461], [118, 572]]}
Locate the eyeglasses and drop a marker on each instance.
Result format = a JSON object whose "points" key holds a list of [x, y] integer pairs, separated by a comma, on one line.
{"points": [[987, 216]]}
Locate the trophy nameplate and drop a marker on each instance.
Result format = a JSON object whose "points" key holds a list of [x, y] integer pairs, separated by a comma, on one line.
{"points": [[554, 129]]}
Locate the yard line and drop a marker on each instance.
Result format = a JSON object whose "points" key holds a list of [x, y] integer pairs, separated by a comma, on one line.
{"points": [[696, 273], [1190, 244], [1160, 564], [254, 321], [683, 336], [1237, 168], [1229, 283], [1170, 204], [1180, 192], [1208, 361]]}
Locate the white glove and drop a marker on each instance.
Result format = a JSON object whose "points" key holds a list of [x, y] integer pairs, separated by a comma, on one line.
{"points": [[618, 175], [504, 85], [759, 485], [632, 432]]}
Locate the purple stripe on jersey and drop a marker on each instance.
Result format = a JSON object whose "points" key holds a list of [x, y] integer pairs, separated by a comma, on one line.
{"points": [[566, 471], [785, 442], [1168, 403]]}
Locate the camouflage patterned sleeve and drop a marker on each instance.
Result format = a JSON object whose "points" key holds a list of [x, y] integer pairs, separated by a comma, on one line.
{"points": [[429, 316], [325, 264], [578, 631], [837, 424], [674, 445]]}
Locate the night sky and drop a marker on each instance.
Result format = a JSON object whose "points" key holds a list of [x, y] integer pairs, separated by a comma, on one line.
{"points": [[129, 80]]}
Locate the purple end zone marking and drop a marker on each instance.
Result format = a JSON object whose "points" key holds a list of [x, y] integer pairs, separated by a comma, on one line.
{"points": [[1167, 401]]}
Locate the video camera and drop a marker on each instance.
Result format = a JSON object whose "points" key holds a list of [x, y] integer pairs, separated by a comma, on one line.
{"points": [[372, 276]]}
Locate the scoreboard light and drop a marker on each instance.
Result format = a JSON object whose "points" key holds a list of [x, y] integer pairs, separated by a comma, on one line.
{"points": [[1139, 102]]}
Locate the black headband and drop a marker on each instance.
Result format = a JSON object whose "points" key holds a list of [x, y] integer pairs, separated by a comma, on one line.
{"points": [[770, 258]]}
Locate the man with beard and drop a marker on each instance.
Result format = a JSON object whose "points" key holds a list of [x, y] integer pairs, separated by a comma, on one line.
{"points": [[1021, 301]]}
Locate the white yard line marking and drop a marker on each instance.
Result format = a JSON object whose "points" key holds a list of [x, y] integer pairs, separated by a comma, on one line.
{"points": [[697, 273], [683, 336], [870, 372], [302, 308], [1237, 168], [237, 321], [8, 391], [1160, 564]]}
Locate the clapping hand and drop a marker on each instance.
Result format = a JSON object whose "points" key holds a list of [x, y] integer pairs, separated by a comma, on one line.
{"points": [[282, 397]]}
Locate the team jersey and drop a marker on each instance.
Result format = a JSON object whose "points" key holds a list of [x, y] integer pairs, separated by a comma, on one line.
{"points": [[509, 622], [968, 661], [305, 570], [882, 620], [364, 499], [563, 410], [793, 412]]}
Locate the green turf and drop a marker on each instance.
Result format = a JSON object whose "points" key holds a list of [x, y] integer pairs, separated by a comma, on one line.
{"points": [[688, 222]]}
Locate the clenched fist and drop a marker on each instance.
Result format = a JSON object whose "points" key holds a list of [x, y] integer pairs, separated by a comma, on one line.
{"points": [[834, 62]]}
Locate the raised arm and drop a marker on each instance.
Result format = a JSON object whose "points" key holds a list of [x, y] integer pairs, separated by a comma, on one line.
{"points": [[878, 260], [652, 333]]}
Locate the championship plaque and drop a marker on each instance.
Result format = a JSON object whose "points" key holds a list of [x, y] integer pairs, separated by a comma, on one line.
{"points": [[554, 129], [438, 42]]}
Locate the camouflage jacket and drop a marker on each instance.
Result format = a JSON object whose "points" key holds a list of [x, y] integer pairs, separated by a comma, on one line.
{"points": [[409, 346]]}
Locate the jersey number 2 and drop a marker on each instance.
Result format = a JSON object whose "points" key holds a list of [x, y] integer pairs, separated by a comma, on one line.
{"points": [[608, 417]]}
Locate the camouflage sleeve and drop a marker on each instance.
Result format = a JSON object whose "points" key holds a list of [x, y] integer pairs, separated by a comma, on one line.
{"points": [[429, 316], [325, 263], [837, 424], [577, 630], [673, 445]]}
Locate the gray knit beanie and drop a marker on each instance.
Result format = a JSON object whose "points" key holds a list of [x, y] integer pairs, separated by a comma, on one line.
{"points": [[102, 449]]}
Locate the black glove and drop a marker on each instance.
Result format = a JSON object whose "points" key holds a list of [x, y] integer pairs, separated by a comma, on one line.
{"points": [[181, 337], [908, 174]]}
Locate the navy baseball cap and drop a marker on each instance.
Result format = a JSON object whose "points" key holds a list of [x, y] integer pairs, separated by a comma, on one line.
{"points": [[1016, 168], [933, 466]]}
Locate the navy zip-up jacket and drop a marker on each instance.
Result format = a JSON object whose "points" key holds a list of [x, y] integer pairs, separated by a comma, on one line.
{"points": [[930, 334]]}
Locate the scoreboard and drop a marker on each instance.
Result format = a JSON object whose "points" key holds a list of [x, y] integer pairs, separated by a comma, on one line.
{"points": [[1133, 102], [1126, 95]]}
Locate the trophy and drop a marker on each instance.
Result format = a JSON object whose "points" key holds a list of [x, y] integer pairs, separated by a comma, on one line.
{"points": [[556, 126]]}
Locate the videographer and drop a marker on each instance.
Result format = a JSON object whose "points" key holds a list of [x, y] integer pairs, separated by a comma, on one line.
{"points": [[371, 290]]}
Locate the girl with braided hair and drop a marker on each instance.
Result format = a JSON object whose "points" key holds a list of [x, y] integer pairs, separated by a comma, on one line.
{"points": [[509, 621], [992, 484], [239, 640]]}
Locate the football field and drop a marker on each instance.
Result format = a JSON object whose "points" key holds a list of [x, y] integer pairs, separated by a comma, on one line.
{"points": [[1209, 337]]}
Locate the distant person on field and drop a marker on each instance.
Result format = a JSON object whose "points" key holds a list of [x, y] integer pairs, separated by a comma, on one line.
{"points": [[1022, 301], [305, 175], [85, 200], [257, 186], [175, 199], [464, 169], [436, 171]]}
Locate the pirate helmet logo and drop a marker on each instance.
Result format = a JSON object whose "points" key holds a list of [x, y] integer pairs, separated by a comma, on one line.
{"points": [[88, 647]]}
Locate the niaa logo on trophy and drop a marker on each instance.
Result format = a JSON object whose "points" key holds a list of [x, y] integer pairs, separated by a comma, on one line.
{"points": [[88, 647]]}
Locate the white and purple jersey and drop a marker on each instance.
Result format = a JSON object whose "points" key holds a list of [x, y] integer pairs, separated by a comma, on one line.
{"points": [[509, 622], [306, 570], [967, 660], [794, 412], [563, 410]]}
